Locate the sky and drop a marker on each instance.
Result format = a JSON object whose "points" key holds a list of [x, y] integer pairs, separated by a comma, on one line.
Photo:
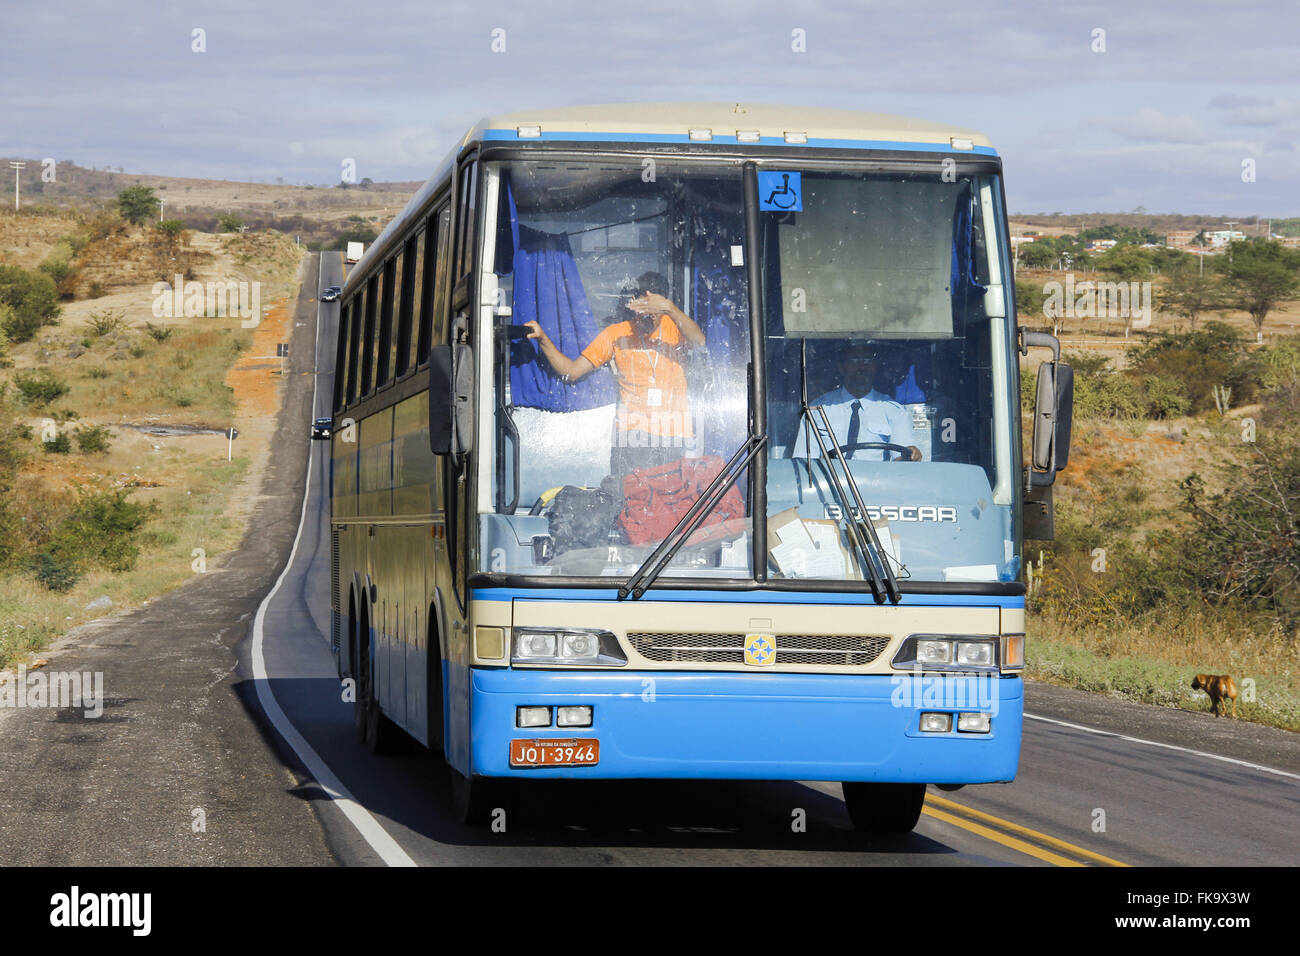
{"points": [[1189, 107]]}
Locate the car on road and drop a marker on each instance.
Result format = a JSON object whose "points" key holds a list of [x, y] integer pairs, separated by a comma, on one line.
{"points": [[322, 428], [330, 294]]}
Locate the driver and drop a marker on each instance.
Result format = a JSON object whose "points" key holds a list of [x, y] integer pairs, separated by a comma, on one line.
{"points": [[861, 409]]}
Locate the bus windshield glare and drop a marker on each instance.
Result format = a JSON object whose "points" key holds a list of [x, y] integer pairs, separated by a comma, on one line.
{"points": [[615, 341]]}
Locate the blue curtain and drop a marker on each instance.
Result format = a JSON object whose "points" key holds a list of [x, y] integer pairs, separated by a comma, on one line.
{"points": [[548, 290], [721, 309]]}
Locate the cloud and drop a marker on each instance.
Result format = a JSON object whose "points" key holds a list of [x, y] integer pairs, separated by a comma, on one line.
{"points": [[1153, 126], [1255, 110]]}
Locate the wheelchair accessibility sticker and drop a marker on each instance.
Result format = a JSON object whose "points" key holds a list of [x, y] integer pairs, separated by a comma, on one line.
{"points": [[760, 650], [779, 192]]}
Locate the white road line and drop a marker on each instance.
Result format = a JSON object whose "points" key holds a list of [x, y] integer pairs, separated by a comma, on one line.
{"points": [[1156, 743], [369, 828]]}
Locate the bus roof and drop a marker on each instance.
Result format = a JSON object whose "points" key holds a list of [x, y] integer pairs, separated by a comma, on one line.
{"points": [[672, 122]]}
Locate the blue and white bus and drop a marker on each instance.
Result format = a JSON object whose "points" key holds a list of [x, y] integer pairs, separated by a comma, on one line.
{"points": [[683, 441]]}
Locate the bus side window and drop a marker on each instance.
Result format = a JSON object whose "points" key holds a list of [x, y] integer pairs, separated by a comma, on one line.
{"points": [[411, 294], [354, 346], [465, 211], [384, 368], [368, 339], [340, 359], [437, 268]]}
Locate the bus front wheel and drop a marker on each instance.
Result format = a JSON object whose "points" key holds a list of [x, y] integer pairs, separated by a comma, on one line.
{"points": [[479, 800], [884, 807]]}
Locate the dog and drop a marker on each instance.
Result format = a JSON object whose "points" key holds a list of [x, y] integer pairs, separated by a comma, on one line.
{"points": [[1218, 686]]}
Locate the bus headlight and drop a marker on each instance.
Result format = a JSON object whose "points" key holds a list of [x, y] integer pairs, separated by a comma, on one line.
{"points": [[975, 653], [584, 646], [933, 652], [965, 653], [534, 646]]}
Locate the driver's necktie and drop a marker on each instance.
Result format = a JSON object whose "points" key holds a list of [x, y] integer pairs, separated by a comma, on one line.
{"points": [[855, 426]]}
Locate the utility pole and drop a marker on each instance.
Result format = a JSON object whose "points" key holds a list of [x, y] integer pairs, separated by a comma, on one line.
{"points": [[162, 201], [16, 168]]}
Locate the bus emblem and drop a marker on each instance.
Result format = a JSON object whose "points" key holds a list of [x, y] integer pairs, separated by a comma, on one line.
{"points": [[760, 650]]}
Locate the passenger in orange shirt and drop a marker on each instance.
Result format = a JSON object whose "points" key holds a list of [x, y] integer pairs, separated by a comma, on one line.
{"points": [[647, 343]]}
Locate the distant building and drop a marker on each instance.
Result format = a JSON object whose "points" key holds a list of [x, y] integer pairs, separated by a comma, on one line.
{"points": [[1180, 238], [1221, 237], [1291, 242], [1100, 245]]}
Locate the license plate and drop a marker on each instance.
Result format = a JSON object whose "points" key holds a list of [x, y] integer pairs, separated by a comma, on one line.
{"points": [[554, 753]]}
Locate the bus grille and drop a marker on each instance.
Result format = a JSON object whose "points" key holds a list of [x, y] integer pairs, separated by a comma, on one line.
{"points": [[827, 650]]}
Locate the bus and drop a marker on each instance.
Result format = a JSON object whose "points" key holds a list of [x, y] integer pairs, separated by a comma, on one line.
{"points": [[683, 441]]}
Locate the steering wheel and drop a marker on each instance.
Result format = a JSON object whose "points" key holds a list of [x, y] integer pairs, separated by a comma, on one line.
{"points": [[885, 445]]}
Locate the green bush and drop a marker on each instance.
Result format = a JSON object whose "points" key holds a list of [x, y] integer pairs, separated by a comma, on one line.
{"points": [[60, 444], [159, 333], [137, 204], [33, 302], [95, 438], [106, 322], [1215, 354], [40, 387], [55, 571], [1165, 397]]}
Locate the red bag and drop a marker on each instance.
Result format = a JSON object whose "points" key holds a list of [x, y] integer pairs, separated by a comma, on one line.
{"points": [[656, 498]]}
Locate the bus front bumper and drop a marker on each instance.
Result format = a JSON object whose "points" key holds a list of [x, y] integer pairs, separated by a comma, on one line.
{"points": [[767, 726]]}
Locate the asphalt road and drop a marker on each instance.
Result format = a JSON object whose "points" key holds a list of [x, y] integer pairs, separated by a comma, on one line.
{"points": [[223, 697]]}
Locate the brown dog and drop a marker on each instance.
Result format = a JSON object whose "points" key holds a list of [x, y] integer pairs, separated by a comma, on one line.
{"points": [[1218, 686]]}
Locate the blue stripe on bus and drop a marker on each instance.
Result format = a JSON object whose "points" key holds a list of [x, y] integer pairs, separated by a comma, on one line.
{"points": [[511, 135], [748, 597]]}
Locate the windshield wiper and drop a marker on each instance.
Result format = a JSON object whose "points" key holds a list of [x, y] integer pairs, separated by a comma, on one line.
{"points": [[861, 531], [650, 569]]}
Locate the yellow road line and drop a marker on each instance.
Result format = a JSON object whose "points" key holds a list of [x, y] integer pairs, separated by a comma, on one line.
{"points": [[1009, 841], [1025, 831]]}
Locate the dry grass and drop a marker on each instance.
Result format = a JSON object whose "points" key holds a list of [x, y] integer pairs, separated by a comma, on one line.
{"points": [[1152, 661], [206, 371], [193, 514]]}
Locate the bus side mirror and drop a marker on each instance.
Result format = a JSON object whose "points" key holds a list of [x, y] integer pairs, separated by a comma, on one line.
{"points": [[1053, 416], [451, 399]]}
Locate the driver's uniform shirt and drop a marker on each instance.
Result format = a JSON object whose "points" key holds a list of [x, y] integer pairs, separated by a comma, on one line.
{"points": [[880, 419]]}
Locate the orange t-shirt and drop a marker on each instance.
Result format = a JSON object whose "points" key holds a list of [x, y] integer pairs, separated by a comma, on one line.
{"points": [[651, 380]]}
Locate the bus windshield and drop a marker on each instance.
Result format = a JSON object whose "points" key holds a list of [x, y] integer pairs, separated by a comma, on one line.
{"points": [[614, 344], [620, 340], [888, 341]]}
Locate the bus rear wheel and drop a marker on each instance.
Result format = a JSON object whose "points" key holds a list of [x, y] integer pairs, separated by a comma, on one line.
{"points": [[379, 734], [884, 807]]}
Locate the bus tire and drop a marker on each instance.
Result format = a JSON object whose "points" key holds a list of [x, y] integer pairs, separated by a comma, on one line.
{"points": [[476, 801], [379, 734], [884, 807], [433, 685]]}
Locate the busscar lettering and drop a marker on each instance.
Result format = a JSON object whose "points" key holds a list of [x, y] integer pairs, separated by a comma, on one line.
{"points": [[935, 513]]}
